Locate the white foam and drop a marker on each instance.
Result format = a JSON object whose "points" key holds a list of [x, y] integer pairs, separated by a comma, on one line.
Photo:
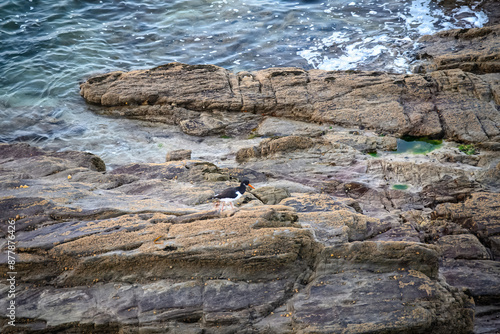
{"points": [[413, 20], [476, 19]]}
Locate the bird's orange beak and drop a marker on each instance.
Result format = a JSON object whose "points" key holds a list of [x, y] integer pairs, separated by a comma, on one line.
{"points": [[251, 186]]}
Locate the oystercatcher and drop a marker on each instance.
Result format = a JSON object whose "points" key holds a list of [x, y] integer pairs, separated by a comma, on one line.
{"points": [[230, 195]]}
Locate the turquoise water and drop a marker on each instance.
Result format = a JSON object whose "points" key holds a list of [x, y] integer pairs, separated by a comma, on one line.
{"points": [[417, 145], [48, 47]]}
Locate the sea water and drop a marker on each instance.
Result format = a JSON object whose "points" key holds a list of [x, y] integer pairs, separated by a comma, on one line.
{"points": [[48, 47]]}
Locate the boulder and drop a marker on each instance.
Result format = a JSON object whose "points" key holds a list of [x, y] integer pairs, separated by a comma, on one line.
{"points": [[350, 278], [273, 146], [30, 161]]}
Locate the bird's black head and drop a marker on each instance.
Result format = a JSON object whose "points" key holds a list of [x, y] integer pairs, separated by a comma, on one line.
{"points": [[244, 184]]}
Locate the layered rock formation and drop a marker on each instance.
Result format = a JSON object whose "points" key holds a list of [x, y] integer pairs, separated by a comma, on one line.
{"points": [[155, 257], [471, 50], [207, 99], [333, 240]]}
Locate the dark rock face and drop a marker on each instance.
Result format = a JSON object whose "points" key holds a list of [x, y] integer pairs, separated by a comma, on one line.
{"points": [[211, 100]]}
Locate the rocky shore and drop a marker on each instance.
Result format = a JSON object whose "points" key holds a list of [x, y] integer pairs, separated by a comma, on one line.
{"points": [[344, 233]]}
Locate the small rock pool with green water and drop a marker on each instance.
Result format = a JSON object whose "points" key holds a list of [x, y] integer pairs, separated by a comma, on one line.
{"points": [[417, 145], [400, 186], [414, 145]]}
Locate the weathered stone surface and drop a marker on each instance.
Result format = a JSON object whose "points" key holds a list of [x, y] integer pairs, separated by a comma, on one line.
{"points": [[479, 214], [466, 261], [271, 195], [479, 276], [139, 249], [471, 50], [340, 226], [462, 246], [207, 99], [351, 278], [34, 162], [364, 143], [274, 146], [414, 173], [178, 155], [330, 247], [449, 189], [318, 202], [495, 247], [279, 127]]}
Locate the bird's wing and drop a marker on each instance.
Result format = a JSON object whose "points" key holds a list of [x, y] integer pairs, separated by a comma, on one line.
{"points": [[227, 193]]}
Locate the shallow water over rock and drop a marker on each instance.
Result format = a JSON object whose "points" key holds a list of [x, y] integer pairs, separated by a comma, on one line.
{"points": [[48, 48]]}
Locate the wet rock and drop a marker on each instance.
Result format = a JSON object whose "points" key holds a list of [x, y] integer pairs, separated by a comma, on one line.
{"points": [[490, 7], [36, 162], [471, 50], [104, 181], [216, 123], [451, 103], [178, 155], [204, 126]]}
